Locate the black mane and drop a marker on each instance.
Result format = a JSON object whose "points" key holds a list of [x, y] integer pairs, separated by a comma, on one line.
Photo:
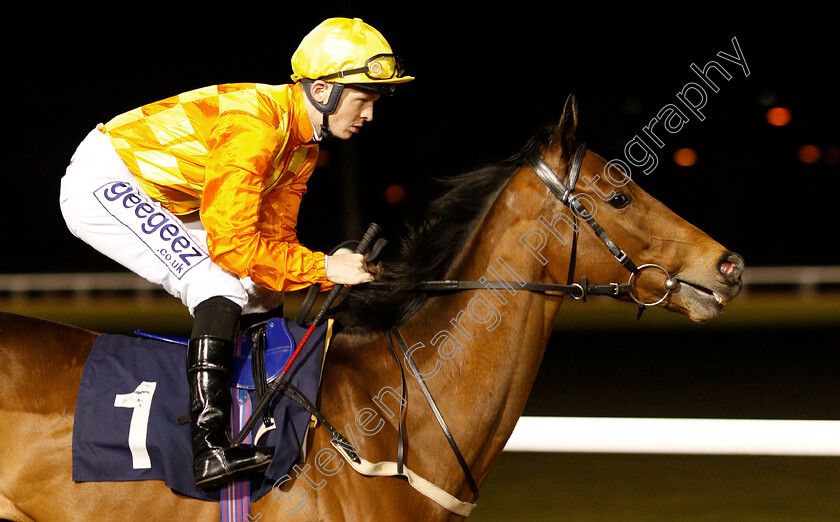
{"points": [[428, 249]]}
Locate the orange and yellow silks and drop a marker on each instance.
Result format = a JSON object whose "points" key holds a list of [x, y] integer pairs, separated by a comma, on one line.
{"points": [[240, 155]]}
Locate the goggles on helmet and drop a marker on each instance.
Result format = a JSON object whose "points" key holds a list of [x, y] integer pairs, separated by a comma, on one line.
{"points": [[378, 68]]}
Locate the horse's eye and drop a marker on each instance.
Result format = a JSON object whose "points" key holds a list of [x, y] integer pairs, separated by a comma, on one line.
{"points": [[619, 201]]}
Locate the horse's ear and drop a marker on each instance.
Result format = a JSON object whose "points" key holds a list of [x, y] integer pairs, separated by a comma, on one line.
{"points": [[565, 131]]}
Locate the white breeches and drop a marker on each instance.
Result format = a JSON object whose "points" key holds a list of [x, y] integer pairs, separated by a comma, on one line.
{"points": [[105, 207]]}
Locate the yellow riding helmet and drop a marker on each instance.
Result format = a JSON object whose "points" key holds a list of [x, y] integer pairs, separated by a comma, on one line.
{"points": [[347, 51]]}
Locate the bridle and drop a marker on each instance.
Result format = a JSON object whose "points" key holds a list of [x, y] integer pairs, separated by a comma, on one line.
{"points": [[578, 291], [565, 194]]}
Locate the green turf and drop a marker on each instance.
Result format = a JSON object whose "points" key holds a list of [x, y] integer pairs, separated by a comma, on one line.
{"points": [[125, 314], [607, 487], [596, 487]]}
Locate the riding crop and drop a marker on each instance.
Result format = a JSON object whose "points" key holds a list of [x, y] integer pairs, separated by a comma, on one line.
{"points": [[276, 384]]}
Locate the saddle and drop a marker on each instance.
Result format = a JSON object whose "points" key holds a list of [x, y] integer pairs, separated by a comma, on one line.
{"points": [[259, 355], [146, 375]]}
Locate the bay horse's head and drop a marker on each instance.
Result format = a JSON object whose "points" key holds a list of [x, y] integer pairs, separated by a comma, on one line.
{"points": [[662, 259], [670, 262]]}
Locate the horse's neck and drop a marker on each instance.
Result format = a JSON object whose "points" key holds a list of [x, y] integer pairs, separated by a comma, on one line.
{"points": [[481, 348]]}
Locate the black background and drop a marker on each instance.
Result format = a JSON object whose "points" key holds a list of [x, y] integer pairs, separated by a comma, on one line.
{"points": [[487, 78]]}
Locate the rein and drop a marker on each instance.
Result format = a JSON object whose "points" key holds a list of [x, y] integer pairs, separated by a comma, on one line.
{"points": [[578, 291], [448, 434], [574, 290]]}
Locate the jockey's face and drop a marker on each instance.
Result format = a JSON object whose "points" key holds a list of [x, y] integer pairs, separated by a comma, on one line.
{"points": [[355, 108]]}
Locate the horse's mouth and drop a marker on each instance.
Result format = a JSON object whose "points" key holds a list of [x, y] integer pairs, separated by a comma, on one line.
{"points": [[705, 293], [700, 303]]}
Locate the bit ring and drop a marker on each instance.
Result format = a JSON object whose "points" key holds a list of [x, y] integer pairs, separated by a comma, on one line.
{"points": [[670, 284]]}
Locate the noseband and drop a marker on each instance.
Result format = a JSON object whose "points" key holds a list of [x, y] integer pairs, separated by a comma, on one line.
{"points": [[575, 290], [564, 193], [578, 291]]}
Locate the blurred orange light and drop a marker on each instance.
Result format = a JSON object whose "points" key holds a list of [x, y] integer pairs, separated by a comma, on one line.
{"points": [[778, 116], [809, 154], [394, 193], [685, 157]]}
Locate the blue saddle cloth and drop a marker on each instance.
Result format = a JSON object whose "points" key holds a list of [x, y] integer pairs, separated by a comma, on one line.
{"points": [[133, 389]]}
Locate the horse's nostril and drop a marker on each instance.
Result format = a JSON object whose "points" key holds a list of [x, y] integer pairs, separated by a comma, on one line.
{"points": [[727, 268], [731, 266]]}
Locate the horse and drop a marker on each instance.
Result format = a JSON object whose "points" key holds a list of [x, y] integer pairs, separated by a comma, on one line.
{"points": [[554, 222]]}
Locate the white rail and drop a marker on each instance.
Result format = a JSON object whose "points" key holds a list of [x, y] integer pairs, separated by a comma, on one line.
{"points": [[581, 434], [805, 279], [676, 436], [73, 282]]}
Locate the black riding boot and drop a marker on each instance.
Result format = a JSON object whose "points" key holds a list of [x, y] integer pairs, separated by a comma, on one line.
{"points": [[210, 356]]}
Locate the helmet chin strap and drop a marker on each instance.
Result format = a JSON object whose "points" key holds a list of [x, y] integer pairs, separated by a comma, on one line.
{"points": [[325, 108], [326, 133]]}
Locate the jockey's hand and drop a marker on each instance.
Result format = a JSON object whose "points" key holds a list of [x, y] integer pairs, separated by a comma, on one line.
{"points": [[347, 269]]}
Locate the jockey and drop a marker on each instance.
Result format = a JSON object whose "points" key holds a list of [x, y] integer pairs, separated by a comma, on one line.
{"points": [[199, 193]]}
